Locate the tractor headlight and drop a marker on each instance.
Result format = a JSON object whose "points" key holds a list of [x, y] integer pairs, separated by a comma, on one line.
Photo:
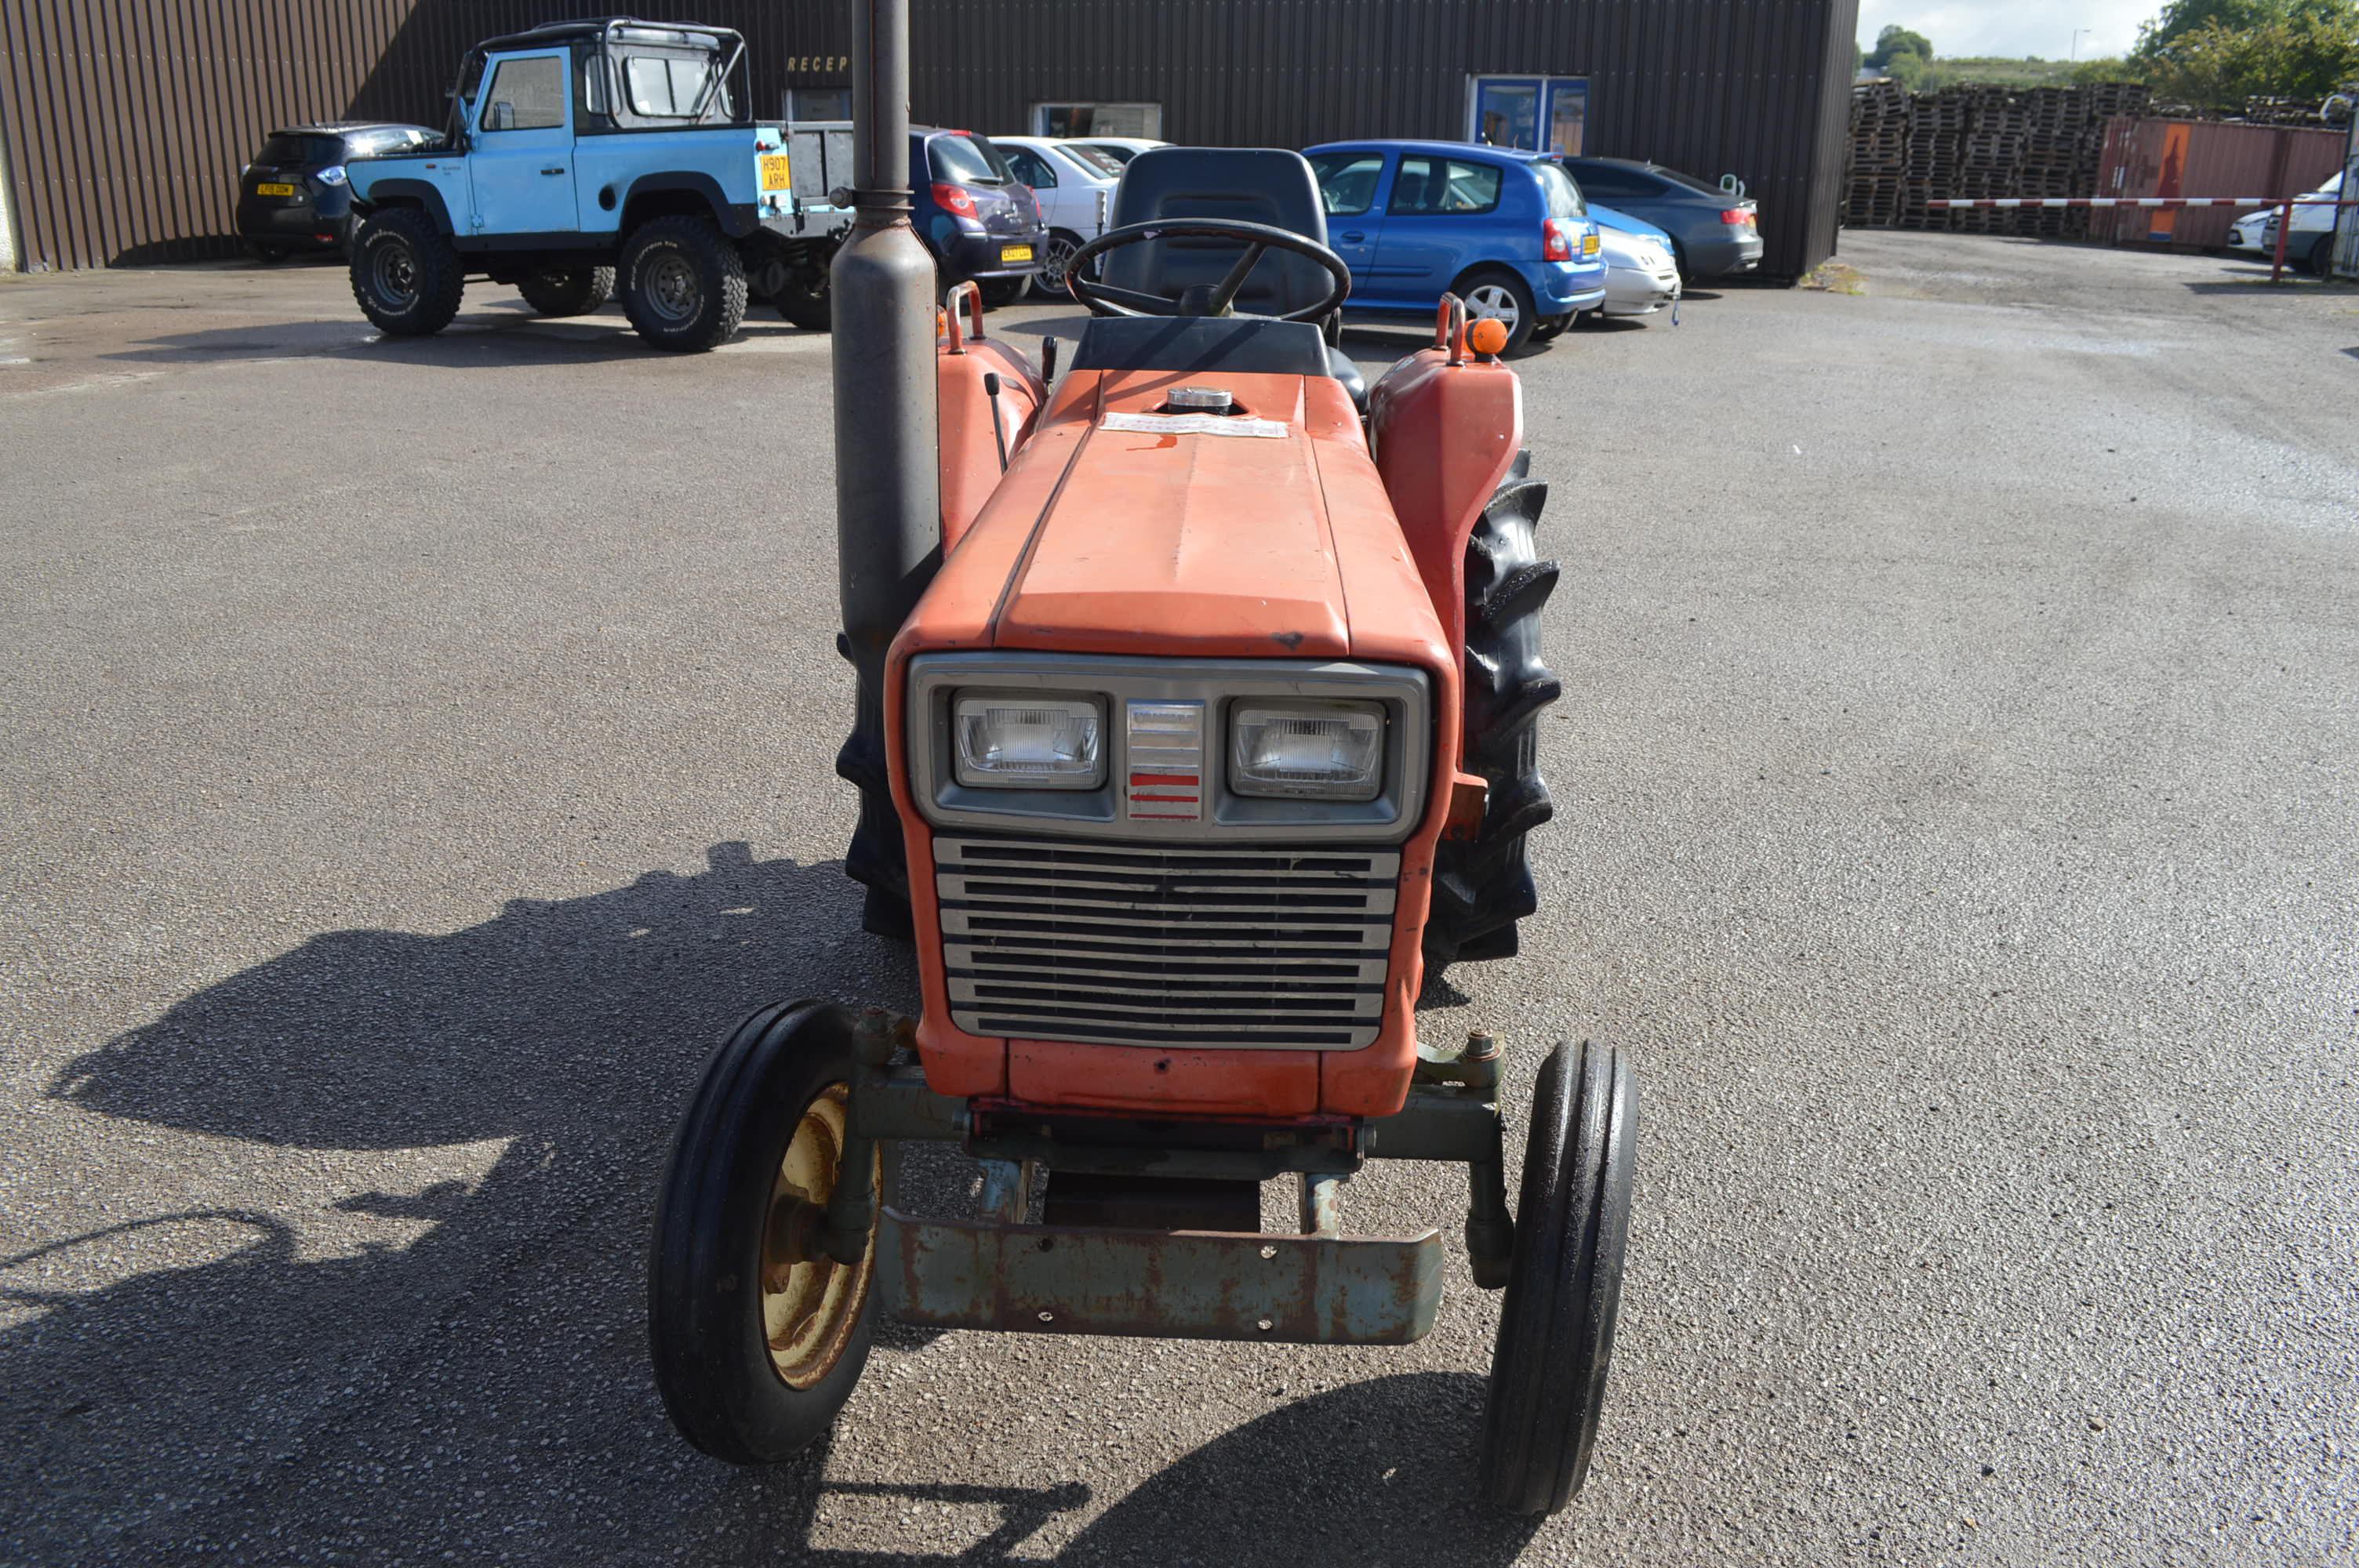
{"points": [[1313, 750], [1028, 741]]}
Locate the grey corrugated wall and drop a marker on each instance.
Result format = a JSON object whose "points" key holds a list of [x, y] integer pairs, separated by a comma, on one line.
{"points": [[126, 120]]}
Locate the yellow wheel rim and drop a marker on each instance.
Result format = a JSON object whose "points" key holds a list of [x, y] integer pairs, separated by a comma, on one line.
{"points": [[810, 1303]]}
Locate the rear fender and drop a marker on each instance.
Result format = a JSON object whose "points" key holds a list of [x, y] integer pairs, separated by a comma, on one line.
{"points": [[970, 455], [1445, 436]]}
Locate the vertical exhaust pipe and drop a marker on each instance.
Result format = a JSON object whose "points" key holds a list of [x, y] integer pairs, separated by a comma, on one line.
{"points": [[887, 481]]}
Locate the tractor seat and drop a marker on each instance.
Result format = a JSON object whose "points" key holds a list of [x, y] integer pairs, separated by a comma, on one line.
{"points": [[1256, 185]]}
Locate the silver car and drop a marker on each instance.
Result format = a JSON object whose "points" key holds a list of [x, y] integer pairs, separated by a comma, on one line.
{"points": [[1641, 276]]}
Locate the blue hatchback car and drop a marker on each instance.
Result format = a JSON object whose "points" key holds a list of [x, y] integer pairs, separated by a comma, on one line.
{"points": [[1505, 230]]}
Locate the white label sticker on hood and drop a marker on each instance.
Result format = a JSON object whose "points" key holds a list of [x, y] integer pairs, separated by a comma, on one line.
{"points": [[1192, 424]]}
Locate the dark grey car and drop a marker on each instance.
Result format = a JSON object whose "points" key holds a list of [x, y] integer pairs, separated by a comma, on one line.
{"points": [[1713, 233]]}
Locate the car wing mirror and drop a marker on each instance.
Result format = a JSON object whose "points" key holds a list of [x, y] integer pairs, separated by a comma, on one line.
{"points": [[500, 117]]}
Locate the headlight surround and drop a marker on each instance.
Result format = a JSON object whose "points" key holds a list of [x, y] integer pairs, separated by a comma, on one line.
{"points": [[1307, 750], [1023, 740]]}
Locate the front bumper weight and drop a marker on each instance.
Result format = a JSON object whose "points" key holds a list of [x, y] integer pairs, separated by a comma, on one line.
{"points": [[1047, 1279]]}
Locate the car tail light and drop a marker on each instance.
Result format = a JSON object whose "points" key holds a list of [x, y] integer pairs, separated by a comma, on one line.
{"points": [[1742, 216], [1556, 240], [954, 199]]}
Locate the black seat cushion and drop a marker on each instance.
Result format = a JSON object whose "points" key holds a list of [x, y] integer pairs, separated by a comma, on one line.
{"points": [[1245, 345], [1258, 185], [1355, 385]]}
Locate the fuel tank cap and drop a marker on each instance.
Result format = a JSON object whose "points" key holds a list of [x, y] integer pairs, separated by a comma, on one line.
{"points": [[1201, 400]]}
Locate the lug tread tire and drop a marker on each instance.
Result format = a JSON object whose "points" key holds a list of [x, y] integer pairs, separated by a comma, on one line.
{"points": [[720, 274], [568, 290], [704, 1306], [1481, 889], [1564, 1286], [441, 275]]}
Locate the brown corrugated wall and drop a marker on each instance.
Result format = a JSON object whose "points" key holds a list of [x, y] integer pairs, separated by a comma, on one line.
{"points": [[126, 120]]}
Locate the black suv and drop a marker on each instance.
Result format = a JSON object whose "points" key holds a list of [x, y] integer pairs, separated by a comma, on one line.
{"points": [[294, 197]]}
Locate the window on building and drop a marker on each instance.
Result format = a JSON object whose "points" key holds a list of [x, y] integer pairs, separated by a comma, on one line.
{"points": [[1537, 113], [1347, 181], [806, 103], [1430, 187], [1143, 120], [527, 94]]}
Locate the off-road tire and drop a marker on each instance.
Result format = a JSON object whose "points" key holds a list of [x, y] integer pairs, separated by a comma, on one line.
{"points": [[406, 272], [1483, 887], [566, 290], [1564, 1286], [705, 1323], [683, 284]]}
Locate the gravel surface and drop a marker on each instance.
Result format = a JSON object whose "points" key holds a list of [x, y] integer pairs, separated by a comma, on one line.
{"points": [[416, 755]]}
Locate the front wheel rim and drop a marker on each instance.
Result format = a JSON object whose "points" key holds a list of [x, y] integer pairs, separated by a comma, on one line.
{"points": [[393, 272], [1492, 302], [672, 291], [810, 1303], [1057, 260]]}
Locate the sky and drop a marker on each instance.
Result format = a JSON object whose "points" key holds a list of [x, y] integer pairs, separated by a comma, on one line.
{"points": [[2012, 28]]}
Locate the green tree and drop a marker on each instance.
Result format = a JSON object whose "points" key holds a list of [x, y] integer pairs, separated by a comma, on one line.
{"points": [[1910, 70], [2182, 19], [1896, 39], [2218, 67]]}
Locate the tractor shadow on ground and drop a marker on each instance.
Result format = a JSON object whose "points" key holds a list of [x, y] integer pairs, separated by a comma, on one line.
{"points": [[1380, 1471], [422, 1336], [498, 334]]}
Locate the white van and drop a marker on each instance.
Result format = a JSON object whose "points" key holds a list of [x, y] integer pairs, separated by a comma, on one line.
{"points": [[2311, 243]]}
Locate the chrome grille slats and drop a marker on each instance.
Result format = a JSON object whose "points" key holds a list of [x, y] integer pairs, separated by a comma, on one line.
{"points": [[1152, 945]]}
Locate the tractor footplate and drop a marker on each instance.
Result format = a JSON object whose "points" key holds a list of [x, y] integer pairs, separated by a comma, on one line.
{"points": [[1052, 1278]]}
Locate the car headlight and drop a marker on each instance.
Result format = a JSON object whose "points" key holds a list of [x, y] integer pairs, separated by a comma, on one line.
{"points": [[1024, 740], [1315, 751], [332, 175]]}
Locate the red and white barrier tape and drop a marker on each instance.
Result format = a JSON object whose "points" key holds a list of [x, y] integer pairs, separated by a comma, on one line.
{"points": [[2132, 201]]}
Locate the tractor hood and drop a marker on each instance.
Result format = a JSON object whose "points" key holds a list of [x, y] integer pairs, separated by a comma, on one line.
{"points": [[1184, 535]]}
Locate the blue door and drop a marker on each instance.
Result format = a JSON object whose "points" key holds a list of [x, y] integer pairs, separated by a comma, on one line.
{"points": [[523, 156], [1352, 187], [1441, 218]]}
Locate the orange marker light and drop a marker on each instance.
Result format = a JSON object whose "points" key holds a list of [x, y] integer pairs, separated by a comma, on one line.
{"points": [[1487, 337]]}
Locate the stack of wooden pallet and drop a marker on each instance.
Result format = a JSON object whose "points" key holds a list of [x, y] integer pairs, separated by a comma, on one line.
{"points": [[1967, 141], [2283, 112]]}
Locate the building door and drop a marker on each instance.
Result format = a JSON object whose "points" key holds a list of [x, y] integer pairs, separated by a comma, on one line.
{"points": [[523, 157], [1537, 113]]}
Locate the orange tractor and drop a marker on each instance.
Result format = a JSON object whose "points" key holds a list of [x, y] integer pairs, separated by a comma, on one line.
{"points": [[1195, 730]]}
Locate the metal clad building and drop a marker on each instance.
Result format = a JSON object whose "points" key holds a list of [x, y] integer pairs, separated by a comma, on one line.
{"points": [[123, 122]]}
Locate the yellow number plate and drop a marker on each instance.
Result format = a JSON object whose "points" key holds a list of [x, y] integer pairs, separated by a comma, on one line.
{"points": [[777, 172], [1015, 252], [1589, 246], [274, 191]]}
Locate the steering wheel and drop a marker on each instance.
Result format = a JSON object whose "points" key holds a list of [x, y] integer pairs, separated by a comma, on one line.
{"points": [[1103, 299]]}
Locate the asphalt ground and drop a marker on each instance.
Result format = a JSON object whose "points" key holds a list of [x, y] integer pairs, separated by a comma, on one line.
{"points": [[416, 755]]}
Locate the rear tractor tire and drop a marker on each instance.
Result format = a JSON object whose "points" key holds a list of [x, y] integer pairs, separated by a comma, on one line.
{"points": [[757, 1334], [406, 274], [568, 290], [683, 285], [1483, 887]]}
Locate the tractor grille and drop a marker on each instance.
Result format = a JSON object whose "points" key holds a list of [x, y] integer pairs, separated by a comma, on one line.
{"points": [[1119, 943]]}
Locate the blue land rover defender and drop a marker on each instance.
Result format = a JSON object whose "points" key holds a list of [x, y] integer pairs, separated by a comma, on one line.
{"points": [[584, 158]]}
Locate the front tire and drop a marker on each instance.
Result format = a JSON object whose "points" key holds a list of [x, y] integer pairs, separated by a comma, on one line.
{"points": [[1564, 1287], [1499, 294], [1056, 261], [2321, 256], [998, 292], [683, 285], [1483, 887], [568, 290], [759, 1336], [406, 274]]}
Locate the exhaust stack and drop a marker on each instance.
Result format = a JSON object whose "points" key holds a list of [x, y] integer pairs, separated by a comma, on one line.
{"points": [[887, 481]]}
